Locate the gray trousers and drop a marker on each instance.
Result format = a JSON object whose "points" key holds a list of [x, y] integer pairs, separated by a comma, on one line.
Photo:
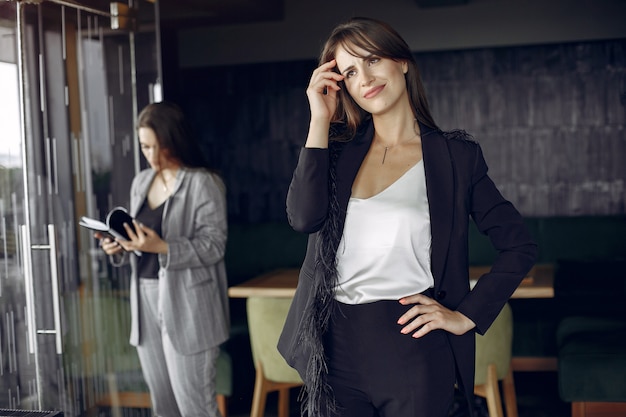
{"points": [[180, 385]]}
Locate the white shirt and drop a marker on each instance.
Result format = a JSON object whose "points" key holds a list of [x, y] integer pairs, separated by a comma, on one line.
{"points": [[384, 253]]}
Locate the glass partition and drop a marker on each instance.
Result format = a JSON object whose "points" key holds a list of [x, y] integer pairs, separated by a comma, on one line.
{"points": [[71, 87]]}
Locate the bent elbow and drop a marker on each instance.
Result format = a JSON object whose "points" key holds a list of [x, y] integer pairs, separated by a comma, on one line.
{"points": [[305, 225]]}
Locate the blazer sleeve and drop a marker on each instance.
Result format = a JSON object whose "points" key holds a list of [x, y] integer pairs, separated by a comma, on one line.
{"points": [[517, 252], [199, 227], [307, 197]]}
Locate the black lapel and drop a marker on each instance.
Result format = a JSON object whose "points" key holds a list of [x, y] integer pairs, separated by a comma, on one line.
{"points": [[440, 190]]}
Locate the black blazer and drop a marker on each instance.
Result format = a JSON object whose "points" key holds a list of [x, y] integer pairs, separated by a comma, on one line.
{"points": [[458, 188]]}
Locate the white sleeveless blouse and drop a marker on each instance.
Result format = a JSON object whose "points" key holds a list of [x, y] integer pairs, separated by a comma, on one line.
{"points": [[384, 253]]}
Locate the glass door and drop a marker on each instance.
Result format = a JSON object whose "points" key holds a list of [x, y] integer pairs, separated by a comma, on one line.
{"points": [[71, 85]]}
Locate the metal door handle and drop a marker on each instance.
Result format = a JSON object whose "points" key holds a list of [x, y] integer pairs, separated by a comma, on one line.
{"points": [[30, 290], [52, 247]]}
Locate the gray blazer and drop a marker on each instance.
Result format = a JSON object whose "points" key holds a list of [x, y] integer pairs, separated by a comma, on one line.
{"points": [[192, 276]]}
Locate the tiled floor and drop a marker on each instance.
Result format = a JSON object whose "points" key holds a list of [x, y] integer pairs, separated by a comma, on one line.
{"points": [[537, 396]]}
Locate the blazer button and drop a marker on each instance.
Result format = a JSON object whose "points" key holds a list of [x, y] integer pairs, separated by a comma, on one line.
{"points": [[441, 295]]}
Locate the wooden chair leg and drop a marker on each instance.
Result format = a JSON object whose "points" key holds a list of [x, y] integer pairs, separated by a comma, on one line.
{"points": [[260, 393], [494, 403], [283, 402], [510, 398], [114, 393], [221, 404]]}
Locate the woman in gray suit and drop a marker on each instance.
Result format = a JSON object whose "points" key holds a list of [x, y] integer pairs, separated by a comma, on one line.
{"points": [[179, 302], [383, 321]]}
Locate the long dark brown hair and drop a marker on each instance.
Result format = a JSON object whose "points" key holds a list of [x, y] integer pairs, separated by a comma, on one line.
{"points": [[173, 133], [380, 39]]}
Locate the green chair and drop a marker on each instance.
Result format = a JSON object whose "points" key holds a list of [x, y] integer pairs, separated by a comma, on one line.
{"points": [[493, 364], [266, 318]]}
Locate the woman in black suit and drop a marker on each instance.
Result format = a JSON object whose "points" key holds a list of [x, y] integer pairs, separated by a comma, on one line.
{"points": [[383, 320]]}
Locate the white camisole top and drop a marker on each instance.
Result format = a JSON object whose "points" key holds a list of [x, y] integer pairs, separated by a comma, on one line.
{"points": [[384, 253]]}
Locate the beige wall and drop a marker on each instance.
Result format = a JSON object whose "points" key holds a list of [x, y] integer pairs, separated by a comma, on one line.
{"points": [[479, 23]]}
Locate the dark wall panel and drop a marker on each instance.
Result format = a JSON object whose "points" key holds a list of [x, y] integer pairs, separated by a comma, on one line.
{"points": [[551, 120]]}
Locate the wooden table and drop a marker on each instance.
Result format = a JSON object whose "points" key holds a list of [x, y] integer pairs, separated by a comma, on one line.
{"points": [[539, 283], [281, 283]]}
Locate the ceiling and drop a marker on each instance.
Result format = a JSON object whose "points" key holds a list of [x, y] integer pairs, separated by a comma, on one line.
{"points": [[190, 13], [212, 12], [219, 12]]}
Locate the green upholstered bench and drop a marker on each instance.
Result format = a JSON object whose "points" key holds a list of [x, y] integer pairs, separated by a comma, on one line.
{"points": [[581, 248], [591, 336], [592, 365]]}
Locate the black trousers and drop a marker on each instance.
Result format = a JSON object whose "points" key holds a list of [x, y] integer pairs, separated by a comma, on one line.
{"points": [[376, 371]]}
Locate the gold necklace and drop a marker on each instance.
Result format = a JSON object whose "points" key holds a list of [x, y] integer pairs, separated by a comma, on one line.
{"points": [[165, 182], [391, 146], [387, 147]]}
